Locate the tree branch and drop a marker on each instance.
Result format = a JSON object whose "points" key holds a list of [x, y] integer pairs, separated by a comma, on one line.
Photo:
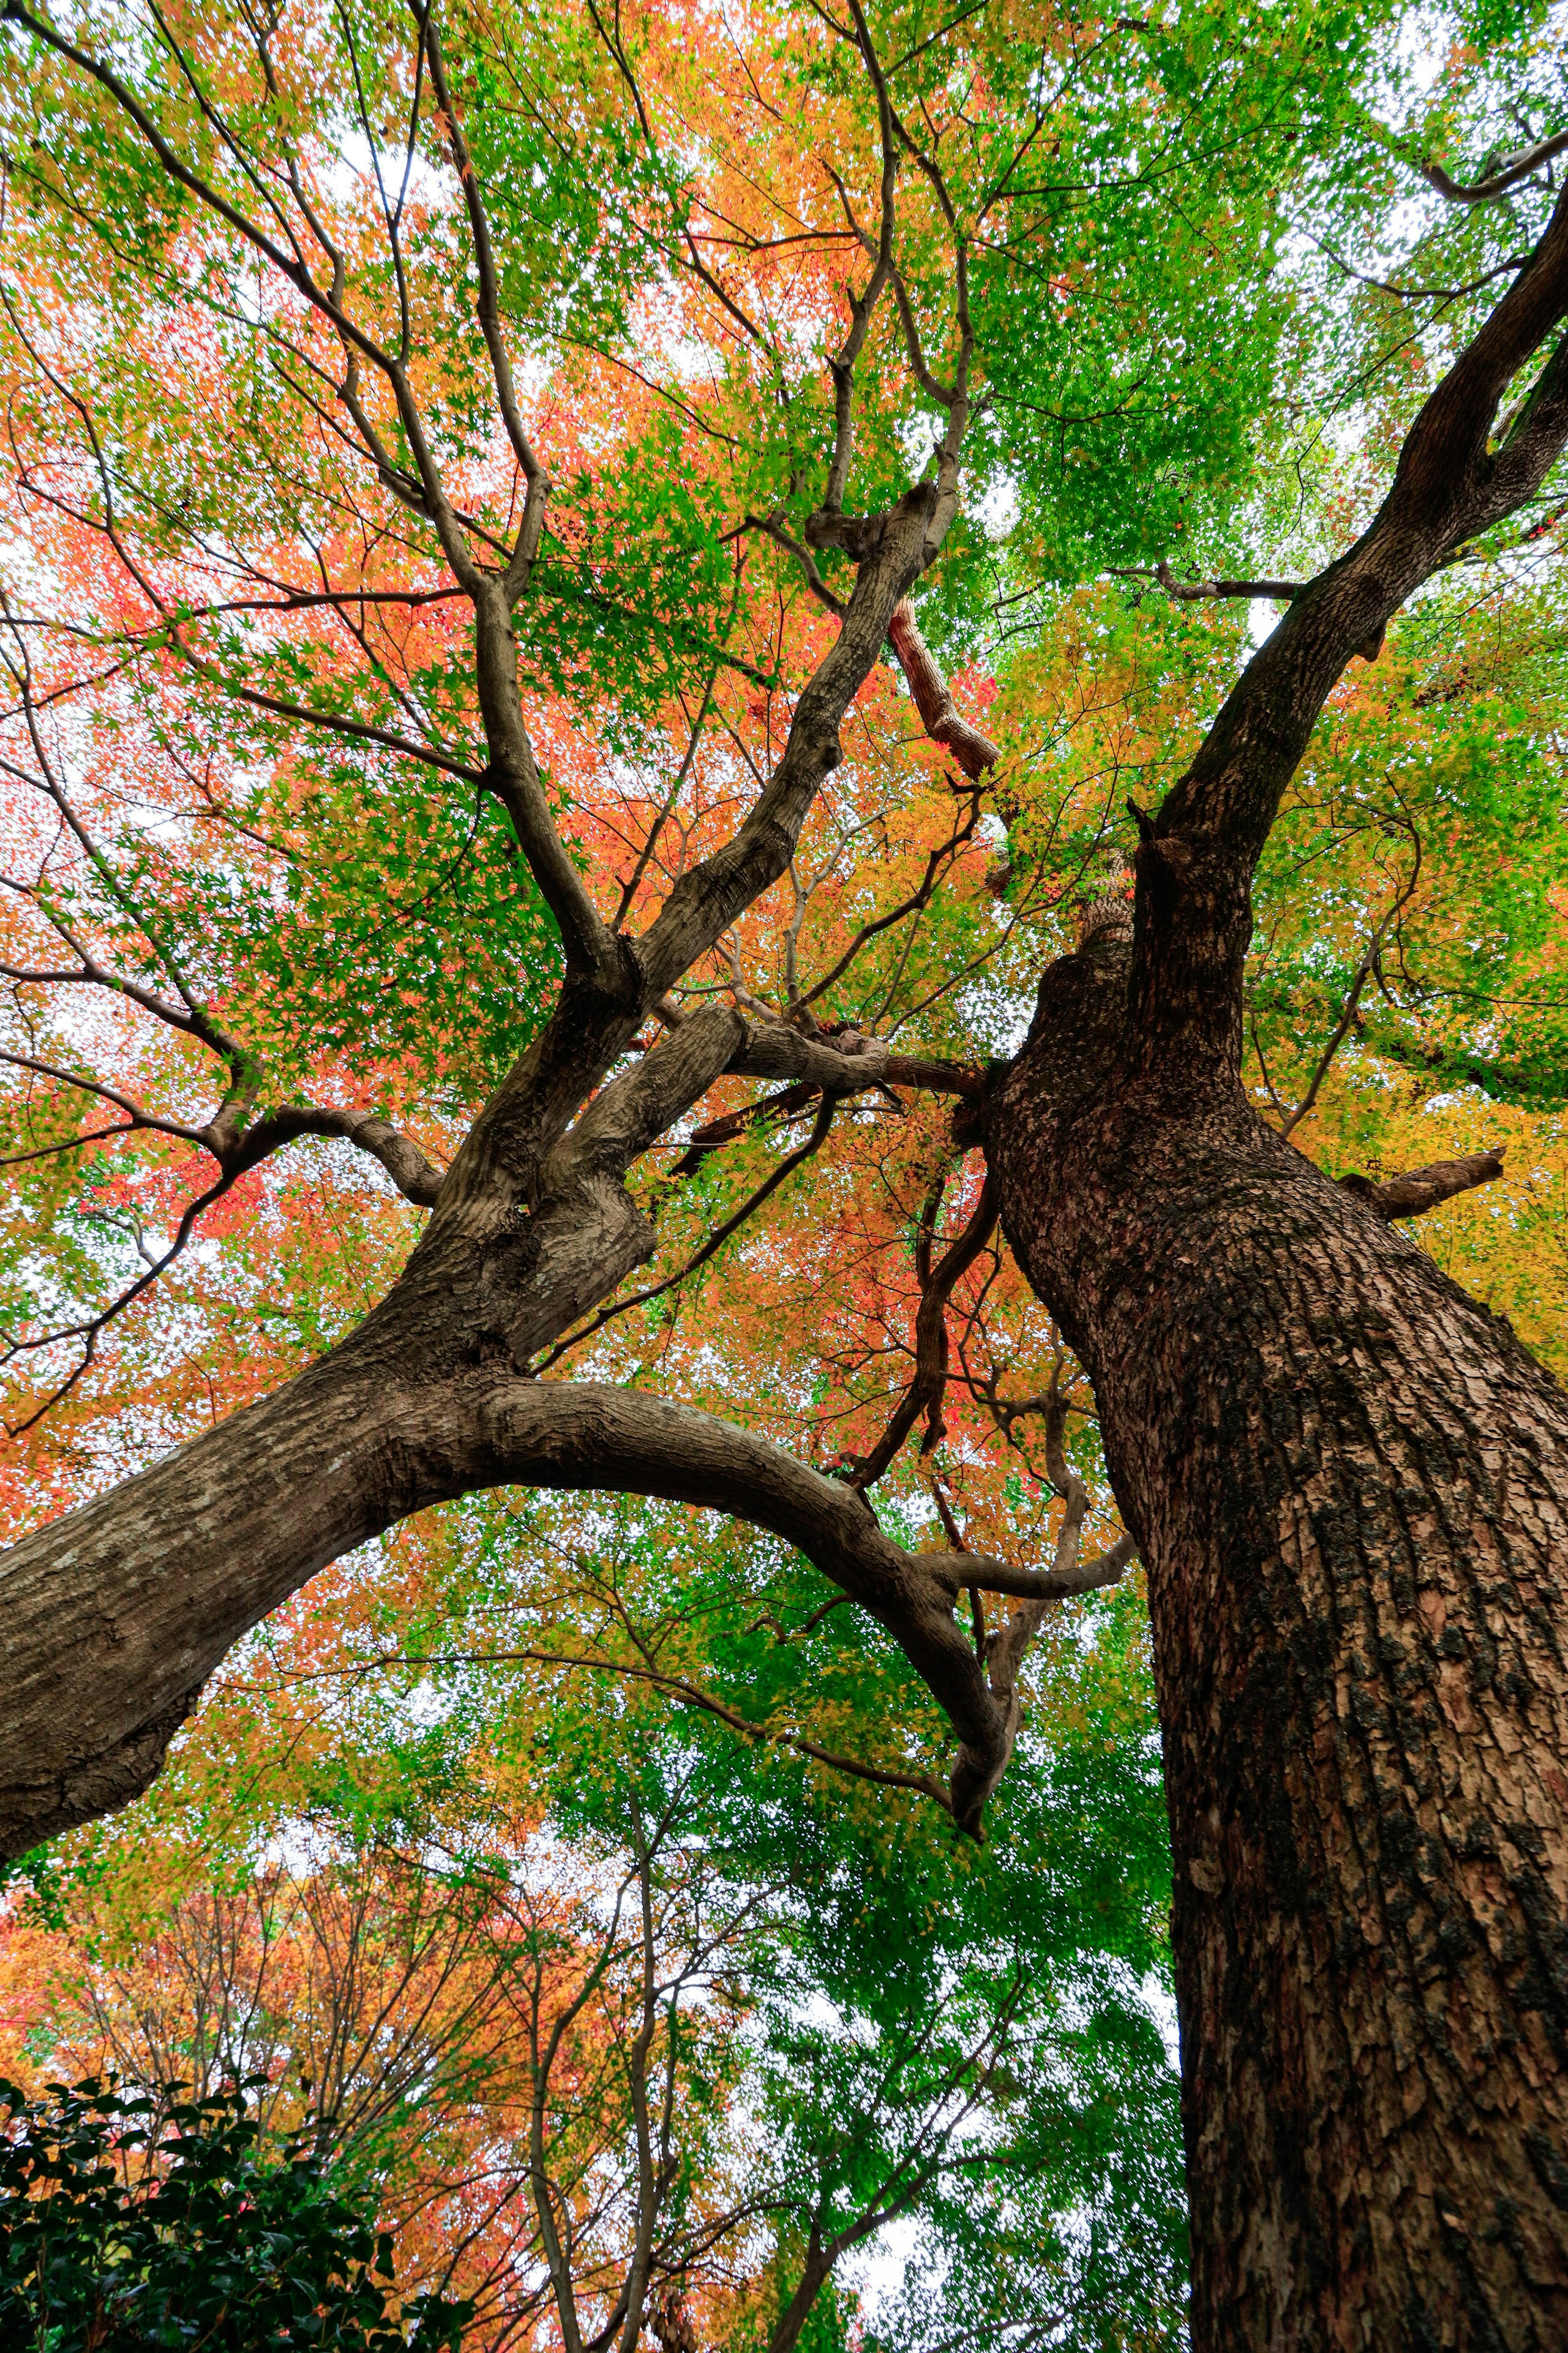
{"points": [[1189, 592], [892, 549], [488, 307], [416, 1177], [715, 1241], [1197, 857], [924, 1393], [933, 697], [677, 1686], [1504, 175], [582, 1436], [348, 1449]]}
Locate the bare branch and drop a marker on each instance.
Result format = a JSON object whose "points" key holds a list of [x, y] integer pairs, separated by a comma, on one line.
{"points": [[932, 697], [415, 1175], [1191, 592], [924, 1393]]}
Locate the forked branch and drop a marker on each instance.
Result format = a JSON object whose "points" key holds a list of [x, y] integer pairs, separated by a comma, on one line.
{"points": [[1197, 855]]}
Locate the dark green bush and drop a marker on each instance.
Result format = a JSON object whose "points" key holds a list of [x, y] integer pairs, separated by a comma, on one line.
{"points": [[133, 2223]]}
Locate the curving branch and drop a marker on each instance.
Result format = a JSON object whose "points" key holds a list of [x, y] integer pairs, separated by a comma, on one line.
{"points": [[1504, 175], [136, 1116], [344, 1451], [925, 1391], [415, 1175], [90, 1329], [533, 1224], [940, 717], [1004, 1649]]}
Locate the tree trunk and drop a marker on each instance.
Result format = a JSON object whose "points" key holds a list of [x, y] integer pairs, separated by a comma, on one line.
{"points": [[1350, 1487]]}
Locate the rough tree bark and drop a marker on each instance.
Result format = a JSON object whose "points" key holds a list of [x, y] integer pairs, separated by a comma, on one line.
{"points": [[1348, 1483]]}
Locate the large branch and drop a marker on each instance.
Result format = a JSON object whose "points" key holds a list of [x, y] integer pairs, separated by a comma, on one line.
{"points": [[846, 1063], [1197, 856], [1503, 176], [893, 550], [602, 1234], [1197, 592], [1420, 1190], [115, 1614], [414, 1173], [851, 1062]]}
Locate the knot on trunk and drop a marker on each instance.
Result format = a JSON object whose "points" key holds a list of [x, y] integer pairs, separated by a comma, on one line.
{"points": [[1420, 1190]]}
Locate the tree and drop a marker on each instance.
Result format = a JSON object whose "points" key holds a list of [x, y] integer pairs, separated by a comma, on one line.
{"points": [[615, 2022], [275, 433]]}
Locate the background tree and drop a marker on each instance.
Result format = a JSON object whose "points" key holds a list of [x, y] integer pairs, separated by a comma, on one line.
{"points": [[617, 2021], [369, 787]]}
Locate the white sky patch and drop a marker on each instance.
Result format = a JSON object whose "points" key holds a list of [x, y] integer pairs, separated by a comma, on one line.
{"points": [[1263, 618], [1161, 2004], [875, 2272]]}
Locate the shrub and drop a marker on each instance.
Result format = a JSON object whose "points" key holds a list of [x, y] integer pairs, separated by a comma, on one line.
{"points": [[133, 2223]]}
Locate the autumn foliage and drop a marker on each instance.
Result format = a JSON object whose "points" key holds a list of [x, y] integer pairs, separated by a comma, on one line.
{"points": [[577, 1877]]}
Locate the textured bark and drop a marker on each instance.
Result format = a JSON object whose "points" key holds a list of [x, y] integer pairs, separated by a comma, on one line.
{"points": [[1350, 1487], [116, 1613]]}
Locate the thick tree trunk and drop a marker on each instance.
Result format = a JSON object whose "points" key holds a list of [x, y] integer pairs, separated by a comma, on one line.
{"points": [[1349, 1486]]}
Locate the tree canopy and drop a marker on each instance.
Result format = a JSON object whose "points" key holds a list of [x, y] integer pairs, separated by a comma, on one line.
{"points": [[588, 597]]}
